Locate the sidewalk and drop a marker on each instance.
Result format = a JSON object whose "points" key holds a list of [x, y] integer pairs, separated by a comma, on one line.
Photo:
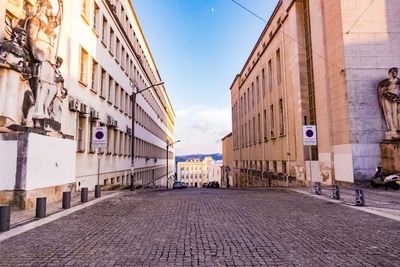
{"points": [[381, 202], [21, 217]]}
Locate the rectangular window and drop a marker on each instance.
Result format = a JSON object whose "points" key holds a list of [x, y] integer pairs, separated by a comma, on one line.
{"points": [[272, 120], [83, 67], [281, 118], [116, 97], [9, 22], [270, 75], [95, 73], [111, 88], [278, 66], [122, 100], [104, 81], [112, 40], [258, 89], [254, 130], [104, 31], [263, 81], [259, 127], [85, 10], [118, 50], [93, 124], [81, 134], [265, 126], [96, 16], [110, 140], [253, 94]]}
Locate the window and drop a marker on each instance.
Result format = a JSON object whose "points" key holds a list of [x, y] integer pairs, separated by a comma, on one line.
{"points": [[270, 75], [96, 16], [281, 118], [265, 126], [263, 81], [284, 167], [110, 139], [254, 130], [272, 122], [253, 94], [80, 134], [93, 124], [111, 88], [84, 64], [104, 81], [278, 67], [104, 31], [95, 79], [111, 40], [118, 51], [117, 90], [258, 90], [85, 10], [259, 127]]}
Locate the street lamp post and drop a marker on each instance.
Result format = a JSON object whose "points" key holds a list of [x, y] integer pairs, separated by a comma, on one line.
{"points": [[167, 147], [133, 129]]}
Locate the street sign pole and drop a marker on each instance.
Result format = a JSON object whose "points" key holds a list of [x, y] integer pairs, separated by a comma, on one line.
{"points": [[310, 139], [99, 141]]}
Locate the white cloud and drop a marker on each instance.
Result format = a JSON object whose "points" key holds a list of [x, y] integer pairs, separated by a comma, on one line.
{"points": [[198, 127]]}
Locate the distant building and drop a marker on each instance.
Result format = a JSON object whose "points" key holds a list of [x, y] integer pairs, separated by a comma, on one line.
{"points": [[227, 162], [196, 172], [317, 63]]}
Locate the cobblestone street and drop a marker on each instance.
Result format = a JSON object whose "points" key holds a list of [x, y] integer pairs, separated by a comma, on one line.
{"points": [[209, 227]]}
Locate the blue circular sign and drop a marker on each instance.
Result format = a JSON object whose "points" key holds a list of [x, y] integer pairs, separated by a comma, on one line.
{"points": [[310, 133], [99, 135]]}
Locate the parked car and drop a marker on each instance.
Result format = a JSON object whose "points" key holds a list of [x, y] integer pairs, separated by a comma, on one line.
{"points": [[213, 184], [204, 185], [179, 185]]}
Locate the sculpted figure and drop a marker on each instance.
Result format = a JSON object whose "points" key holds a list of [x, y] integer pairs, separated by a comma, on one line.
{"points": [[13, 53], [41, 31], [389, 94], [55, 98]]}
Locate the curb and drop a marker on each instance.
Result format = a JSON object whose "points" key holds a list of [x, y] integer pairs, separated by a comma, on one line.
{"points": [[376, 211], [32, 225]]}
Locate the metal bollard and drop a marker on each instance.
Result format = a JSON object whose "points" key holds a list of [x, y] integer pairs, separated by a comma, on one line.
{"points": [[360, 197], [97, 191], [66, 200], [41, 207], [84, 194], [336, 192], [4, 218], [317, 188]]}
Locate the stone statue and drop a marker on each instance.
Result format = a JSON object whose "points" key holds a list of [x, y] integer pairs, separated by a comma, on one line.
{"points": [[14, 73], [389, 95], [31, 83], [41, 31]]}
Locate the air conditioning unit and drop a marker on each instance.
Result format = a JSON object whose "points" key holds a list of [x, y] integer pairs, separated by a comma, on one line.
{"points": [[84, 109], [74, 105], [94, 114], [115, 123], [109, 121], [128, 130]]}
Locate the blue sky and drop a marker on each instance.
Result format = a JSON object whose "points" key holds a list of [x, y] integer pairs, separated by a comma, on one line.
{"points": [[199, 46]]}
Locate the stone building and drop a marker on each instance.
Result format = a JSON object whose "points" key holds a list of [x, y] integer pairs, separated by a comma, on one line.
{"points": [[318, 63], [227, 162], [103, 58], [196, 172]]}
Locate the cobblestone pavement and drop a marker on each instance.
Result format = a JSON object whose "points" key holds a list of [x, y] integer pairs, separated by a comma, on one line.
{"points": [[19, 217], [210, 227]]}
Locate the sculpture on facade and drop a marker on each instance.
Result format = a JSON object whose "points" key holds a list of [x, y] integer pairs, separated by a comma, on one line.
{"points": [[31, 55], [389, 95]]}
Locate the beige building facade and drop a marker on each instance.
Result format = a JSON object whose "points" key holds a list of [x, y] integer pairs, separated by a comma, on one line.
{"points": [[316, 63], [105, 60], [227, 162]]}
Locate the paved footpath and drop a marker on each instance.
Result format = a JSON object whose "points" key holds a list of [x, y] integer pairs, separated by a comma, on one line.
{"points": [[210, 227]]}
